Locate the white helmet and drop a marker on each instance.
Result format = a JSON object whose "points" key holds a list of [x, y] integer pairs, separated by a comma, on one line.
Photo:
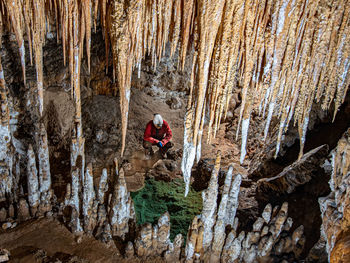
{"points": [[157, 120]]}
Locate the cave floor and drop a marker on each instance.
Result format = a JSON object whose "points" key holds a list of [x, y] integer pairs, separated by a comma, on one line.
{"points": [[47, 239]]}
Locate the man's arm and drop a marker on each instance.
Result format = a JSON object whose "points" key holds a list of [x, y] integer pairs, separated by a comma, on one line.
{"points": [[168, 133], [147, 135]]}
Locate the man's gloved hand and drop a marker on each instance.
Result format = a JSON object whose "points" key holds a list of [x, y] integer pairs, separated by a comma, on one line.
{"points": [[159, 144]]}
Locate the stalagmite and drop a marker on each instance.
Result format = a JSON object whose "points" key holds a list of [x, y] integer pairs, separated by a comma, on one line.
{"points": [[129, 250], [89, 203], [122, 207], [103, 186], [163, 238], [232, 201], [144, 242], [174, 251], [219, 229], [23, 210], [194, 243], [44, 163], [232, 248], [336, 206], [33, 182], [6, 178], [226, 212], [209, 197], [72, 201]]}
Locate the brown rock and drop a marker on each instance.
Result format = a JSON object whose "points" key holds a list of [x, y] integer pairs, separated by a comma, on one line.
{"points": [[335, 207], [143, 243], [129, 250], [163, 240], [23, 210], [3, 214], [4, 255], [6, 225], [11, 211], [298, 173]]}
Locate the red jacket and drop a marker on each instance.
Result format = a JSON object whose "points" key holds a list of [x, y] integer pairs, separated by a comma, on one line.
{"points": [[153, 135]]}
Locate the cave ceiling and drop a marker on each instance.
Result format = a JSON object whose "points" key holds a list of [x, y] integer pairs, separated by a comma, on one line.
{"points": [[285, 55]]}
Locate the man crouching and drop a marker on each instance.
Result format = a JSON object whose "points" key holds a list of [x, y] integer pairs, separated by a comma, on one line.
{"points": [[157, 133]]}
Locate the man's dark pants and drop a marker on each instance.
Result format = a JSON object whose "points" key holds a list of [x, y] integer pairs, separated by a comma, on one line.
{"points": [[148, 146]]}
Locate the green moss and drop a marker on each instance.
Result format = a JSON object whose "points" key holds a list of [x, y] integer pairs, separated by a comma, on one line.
{"points": [[158, 196]]}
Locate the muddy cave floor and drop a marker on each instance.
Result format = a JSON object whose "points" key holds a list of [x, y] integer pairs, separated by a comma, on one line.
{"points": [[28, 241]]}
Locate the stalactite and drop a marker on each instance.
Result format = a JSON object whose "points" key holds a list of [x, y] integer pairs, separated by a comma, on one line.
{"points": [[14, 8], [38, 32], [187, 13], [292, 77], [176, 26], [87, 15], [122, 60], [284, 54]]}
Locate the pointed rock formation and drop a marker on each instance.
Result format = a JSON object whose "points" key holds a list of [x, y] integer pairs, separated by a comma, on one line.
{"points": [[173, 253], [46, 193], [209, 197], [89, 203], [121, 207], [23, 210], [32, 181], [72, 202], [226, 213], [6, 158], [155, 241], [336, 206], [143, 244], [44, 162], [194, 242]]}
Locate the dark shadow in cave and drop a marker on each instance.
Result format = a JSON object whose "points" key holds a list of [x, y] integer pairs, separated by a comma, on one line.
{"points": [[60, 167], [323, 133], [303, 206]]}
